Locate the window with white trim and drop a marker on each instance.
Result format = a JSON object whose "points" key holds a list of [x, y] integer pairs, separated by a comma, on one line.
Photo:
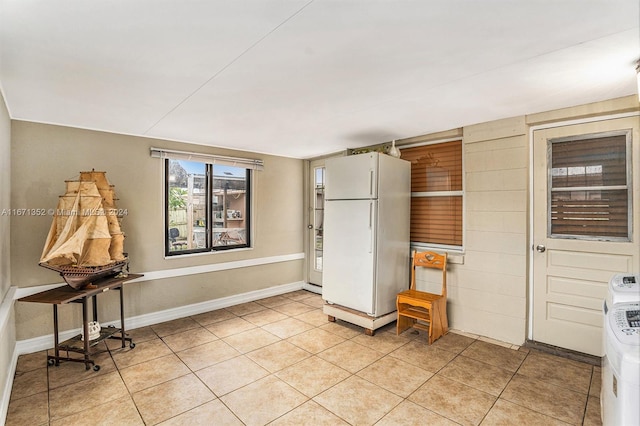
{"points": [[590, 187], [207, 202]]}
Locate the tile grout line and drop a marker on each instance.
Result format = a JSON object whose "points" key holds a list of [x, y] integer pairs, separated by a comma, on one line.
{"points": [[274, 374], [125, 385], [459, 354], [503, 389]]}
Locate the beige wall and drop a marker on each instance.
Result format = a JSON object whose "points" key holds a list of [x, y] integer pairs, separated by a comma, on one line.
{"points": [[488, 291], [488, 283], [5, 196], [43, 156]]}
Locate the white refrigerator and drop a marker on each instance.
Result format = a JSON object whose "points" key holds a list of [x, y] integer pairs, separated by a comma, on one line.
{"points": [[366, 232]]}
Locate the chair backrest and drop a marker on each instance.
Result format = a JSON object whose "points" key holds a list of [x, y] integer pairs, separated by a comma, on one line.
{"points": [[429, 259], [200, 239]]}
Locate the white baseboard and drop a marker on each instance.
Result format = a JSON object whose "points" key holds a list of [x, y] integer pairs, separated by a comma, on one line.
{"points": [[6, 391], [5, 314], [46, 342], [312, 287], [6, 306]]}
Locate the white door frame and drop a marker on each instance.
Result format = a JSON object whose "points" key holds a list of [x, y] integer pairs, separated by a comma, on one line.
{"points": [[532, 129], [310, 273]]}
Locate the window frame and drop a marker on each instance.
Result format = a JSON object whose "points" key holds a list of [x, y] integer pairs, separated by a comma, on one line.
{"points": [[209, 213], [425, 194], [629, 184]]}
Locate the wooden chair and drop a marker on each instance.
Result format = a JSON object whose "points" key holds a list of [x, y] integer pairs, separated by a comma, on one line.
{"points": [[420, 309]]}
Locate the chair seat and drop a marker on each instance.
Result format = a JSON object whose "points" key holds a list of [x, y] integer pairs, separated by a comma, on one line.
{"points": [[418, 295], [416, 304]]}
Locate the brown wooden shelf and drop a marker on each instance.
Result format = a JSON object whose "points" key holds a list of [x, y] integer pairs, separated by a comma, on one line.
{"points": [[76, 344], [67, 294], [415, 312]]}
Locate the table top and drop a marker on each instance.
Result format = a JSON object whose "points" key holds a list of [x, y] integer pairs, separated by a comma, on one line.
{"points": [[66, 293]]}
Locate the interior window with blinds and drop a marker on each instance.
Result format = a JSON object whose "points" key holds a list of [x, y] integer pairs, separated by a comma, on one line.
{"points": [[590, 194], [436, 194]]}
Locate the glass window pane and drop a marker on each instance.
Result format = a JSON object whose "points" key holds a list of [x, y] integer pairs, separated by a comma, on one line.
{"points": [[436, 220], [590, 162], [592, 213], [186, 205], [436, 215], [318, 216], [579, 205], [229, 206], [435, 167]]}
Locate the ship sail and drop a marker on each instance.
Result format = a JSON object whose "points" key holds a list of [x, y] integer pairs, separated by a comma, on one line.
{"points": [[85, 238]]}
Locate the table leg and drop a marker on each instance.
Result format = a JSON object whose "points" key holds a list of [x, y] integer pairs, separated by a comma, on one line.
{"points": [[95, 307], [85, 326], [56, 338], [122, 332]]}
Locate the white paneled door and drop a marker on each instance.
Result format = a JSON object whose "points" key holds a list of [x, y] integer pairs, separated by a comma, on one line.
{"points": [[585, 226]]}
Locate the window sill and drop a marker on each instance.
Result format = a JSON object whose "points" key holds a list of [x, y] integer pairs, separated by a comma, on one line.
{"points": [[206, 253], [454, 255]]}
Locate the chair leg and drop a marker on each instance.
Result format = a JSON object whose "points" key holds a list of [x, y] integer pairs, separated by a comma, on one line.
{"points": [[435, 325], [403, 324], [432, 325], [443, 317]]}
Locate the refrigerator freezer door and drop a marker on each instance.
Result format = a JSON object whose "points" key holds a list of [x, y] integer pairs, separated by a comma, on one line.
{"points": [[348, 277], [353, 177], [393, 253]]}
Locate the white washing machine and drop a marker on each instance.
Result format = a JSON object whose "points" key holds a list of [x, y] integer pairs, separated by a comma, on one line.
{"points": [[620, 391]]}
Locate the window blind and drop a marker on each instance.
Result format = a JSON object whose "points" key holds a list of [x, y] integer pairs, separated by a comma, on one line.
{"points": [[436, 186], [437, 220], [590, 194]]}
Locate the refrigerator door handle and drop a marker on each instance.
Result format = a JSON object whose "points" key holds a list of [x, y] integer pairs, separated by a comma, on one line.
{"points": [[370, 215], [371, 182]]}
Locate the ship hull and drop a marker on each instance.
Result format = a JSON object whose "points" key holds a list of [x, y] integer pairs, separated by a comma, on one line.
{"points": [[81, 277]]}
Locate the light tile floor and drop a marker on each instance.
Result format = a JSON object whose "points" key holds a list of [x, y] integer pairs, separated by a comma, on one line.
{"points": [[279, 361]]}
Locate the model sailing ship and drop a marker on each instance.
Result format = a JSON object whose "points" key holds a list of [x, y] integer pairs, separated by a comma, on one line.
{"points": [[85, 241]]}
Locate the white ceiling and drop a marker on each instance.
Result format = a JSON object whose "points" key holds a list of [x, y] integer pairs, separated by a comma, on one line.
{"points": [[302, 78]]}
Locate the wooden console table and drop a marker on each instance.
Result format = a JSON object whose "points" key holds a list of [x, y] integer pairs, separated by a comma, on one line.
{"points": [[66, 294]]}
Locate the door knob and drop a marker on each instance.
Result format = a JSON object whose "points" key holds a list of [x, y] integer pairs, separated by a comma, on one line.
{"points": [[310, 226], [540, 248]]}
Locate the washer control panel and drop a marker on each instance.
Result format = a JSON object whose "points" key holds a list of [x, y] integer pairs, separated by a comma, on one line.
{"points": [[624, 319], [625, 283]]}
